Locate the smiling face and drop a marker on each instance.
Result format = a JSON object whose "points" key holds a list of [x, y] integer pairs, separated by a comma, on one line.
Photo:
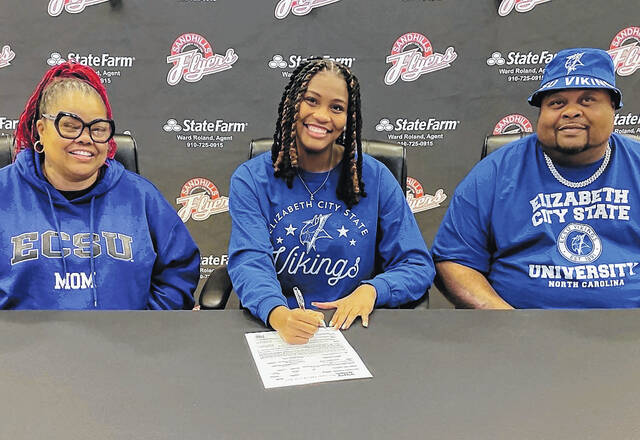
{"points": [[72, 165], [322, 117], [575, 124]]}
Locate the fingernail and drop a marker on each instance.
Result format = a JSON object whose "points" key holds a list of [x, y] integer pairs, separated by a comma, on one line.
{"points": [[365, 324], [330, 323], [323, 324]]}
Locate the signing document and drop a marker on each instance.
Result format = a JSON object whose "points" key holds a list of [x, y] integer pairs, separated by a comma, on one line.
{"points": [[326, 357]]}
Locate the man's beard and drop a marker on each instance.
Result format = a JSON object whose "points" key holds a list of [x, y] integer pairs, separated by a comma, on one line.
{"points": [[569, 150]]}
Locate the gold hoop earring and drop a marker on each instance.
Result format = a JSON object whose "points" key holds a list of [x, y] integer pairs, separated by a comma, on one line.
{"points": [[35, 147]]}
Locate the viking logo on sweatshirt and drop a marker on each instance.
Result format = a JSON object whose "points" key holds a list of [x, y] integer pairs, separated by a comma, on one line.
{"points": [[312, 230], [30, 245]]}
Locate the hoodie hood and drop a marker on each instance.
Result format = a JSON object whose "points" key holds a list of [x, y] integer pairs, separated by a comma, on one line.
{"points": [[29, 166]]}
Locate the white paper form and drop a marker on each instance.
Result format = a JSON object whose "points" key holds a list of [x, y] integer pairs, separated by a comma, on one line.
{"points": [[326, 357]]}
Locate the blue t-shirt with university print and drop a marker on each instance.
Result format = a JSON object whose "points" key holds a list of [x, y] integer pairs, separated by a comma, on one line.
{"points": [[542, 244]]}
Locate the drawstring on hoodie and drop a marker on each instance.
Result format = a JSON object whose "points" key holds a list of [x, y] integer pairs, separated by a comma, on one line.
{"points": [[91, 234], [57, 225], [93, 266]]}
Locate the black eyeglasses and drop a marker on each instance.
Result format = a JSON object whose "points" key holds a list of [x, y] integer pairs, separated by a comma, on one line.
{"points": [[70, 126]]}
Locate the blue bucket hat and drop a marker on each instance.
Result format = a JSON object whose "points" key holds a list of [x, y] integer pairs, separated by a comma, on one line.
{"points": [[580, 68]]}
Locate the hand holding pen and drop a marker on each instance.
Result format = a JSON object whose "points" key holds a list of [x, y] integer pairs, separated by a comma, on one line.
{"points": [[296, 326]]}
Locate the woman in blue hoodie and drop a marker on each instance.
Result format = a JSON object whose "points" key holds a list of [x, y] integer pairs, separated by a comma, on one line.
{"points": [[79, 231]]}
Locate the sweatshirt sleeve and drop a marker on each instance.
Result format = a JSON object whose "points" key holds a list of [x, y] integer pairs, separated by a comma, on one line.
{"points": [[407, 267], [177, 267], [251, 266], [464, 236]]}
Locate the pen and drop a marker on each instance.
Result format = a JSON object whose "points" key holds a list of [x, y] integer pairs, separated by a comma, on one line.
{"points": [[300, 300], [299, 297]]}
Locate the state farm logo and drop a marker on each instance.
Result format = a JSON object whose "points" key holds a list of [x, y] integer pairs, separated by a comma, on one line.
{"points": [[195, 63], [8, 124], [293, 61], [6, 55], [299, 7], [208, 263], [418, 132], [204, 133], [106, 65], [517, 66], [171, 125], [518, 58], [519, 5], [200, 126], [626, 57], [91, 60], [200, 199], [512, 124], [214, 260], [627, 124], [412, 56], [418, 200], [71, 6], [417, 124]]}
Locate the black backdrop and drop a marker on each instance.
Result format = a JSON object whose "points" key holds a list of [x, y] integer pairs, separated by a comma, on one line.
{"points": [[194, 80]]}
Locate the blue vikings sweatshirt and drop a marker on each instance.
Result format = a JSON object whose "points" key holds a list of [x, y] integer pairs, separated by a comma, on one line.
{"points": [[120, 246], [281, 238]]}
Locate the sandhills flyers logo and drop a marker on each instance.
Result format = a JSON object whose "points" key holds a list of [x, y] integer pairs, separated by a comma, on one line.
{"points": [[71, 6], [512, 124], [6, 55], [625, 52], [192, 57], [412, 55], [200, 199], [506, 6], [299, 7], [418, 200]]}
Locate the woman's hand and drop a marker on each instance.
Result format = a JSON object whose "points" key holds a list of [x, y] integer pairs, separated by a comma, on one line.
{"points": [[359, 303], [295, 326]]}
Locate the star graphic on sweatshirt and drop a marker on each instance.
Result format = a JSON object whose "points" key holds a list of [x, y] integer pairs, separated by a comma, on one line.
{"points": [[279, 240], [352, 242], [342, 231], [290, 230]]}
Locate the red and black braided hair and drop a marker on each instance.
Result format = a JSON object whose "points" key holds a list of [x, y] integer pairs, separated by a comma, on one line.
{"points": [[284, 154], [69, 73]]}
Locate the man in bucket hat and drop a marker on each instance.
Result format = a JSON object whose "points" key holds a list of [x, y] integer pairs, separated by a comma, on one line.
{"points": [[548, 221]]}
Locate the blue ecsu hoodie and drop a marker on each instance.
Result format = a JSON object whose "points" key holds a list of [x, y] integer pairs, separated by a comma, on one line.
{"points": [[120, 246]]}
